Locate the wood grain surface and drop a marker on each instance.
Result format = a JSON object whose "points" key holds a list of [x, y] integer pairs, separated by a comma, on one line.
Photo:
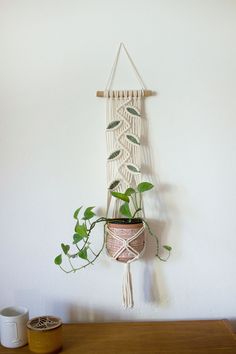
{"points": [[177, 337]]}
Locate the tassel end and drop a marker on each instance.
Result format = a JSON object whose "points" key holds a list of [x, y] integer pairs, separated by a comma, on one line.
{"points": [[127, 288]]}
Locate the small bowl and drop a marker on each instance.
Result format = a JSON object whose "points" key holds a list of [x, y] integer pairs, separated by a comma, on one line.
{"points": [[45, 334]]}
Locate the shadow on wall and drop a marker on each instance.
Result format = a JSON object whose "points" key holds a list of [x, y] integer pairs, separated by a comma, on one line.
{"points": [[71, 312], [155, 290]]}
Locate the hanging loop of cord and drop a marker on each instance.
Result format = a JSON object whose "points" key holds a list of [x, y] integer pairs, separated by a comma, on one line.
{"points": [[114, 67]]}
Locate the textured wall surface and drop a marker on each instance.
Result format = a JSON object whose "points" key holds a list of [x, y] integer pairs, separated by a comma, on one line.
{"points": [[54, 55]]}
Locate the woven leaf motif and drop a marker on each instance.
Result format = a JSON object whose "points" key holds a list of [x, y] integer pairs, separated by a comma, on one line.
{"points": [[133, 139], [133, 111], [114, 155], [132, 168], [114, 124], [114, 184]]}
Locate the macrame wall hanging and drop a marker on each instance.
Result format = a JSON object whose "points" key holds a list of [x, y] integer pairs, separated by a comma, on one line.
{"points": [[124, 242], [124, 237]]}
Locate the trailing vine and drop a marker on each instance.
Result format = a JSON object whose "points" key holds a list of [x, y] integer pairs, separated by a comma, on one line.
{"points": [[83, 250]]}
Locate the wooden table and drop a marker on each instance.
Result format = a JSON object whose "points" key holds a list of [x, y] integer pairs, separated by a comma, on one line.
{"points": [[181, 337]]}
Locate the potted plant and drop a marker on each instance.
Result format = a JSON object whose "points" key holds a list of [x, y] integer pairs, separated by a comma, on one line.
{"points": [[124, 236]]}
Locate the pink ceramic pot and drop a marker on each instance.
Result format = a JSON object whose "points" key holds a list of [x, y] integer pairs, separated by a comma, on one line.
{"points": [[125, 230]]}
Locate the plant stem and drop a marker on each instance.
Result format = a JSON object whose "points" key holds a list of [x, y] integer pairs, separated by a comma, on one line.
{"points": [[152, 234], [157, 242], [102, 219], [134, 201], [136, 211], [73, 270], [77, 248], [92, 251], [164, 259]]}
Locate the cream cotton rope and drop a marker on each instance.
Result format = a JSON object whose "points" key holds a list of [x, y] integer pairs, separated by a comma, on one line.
{"points": [[123, 137]]}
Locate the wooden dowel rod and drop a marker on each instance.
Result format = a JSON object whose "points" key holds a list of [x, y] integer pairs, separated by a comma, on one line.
{"points": [[146, 93]]}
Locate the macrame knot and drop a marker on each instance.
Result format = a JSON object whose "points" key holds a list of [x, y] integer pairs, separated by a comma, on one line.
{"points": [[126, 244]]}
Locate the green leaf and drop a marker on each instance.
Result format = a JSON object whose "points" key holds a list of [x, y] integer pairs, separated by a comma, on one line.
{"points": [[77, 238], [129, 191], [168, 248], [113, 124], [114, 155], [77, 212], [114, 184], [133, 111], [144, 186], [65, 248], [81, 230], [120, 196], [58, 260], [125, 210], [83, 253], [133, 139], [133, 168], [89, 214]]}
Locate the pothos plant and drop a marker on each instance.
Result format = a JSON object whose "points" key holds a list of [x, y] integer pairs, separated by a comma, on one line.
{"points": [[131, 211]]}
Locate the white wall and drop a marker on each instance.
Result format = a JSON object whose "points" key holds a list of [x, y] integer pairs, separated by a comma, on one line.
{"points": [[54, 55]]}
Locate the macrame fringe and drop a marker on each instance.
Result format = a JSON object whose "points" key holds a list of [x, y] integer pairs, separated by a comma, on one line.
{"points": [[123, 94], [127, 288]]}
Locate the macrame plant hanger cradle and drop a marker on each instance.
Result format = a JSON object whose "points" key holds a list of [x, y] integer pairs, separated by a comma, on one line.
{"points": [[123, 135]]}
